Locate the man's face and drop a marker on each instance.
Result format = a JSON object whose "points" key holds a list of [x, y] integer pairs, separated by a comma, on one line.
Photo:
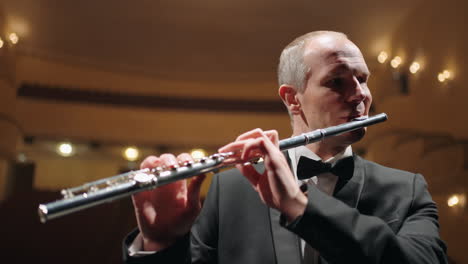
{"points": [[336, 89]]}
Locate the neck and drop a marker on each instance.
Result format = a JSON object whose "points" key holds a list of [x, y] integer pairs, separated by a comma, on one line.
{"points": [[326, 148]]}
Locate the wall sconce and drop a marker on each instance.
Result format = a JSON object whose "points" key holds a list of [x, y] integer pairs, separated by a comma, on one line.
{"points": [[395, 62], [457, 201], [382, 57], [198, 153], [65, 149], [445, 76], [131, 153], [399, 75], [13, 37], [415, 67]]}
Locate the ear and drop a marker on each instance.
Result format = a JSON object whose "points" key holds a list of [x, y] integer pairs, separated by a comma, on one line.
{"points": [[289, 95]]}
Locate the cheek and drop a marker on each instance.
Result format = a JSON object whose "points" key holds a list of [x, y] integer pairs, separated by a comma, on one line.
{"points": [[368, 99]]}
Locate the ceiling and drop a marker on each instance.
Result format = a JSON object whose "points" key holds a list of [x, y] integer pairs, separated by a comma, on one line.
{"points": [[203, 41]]}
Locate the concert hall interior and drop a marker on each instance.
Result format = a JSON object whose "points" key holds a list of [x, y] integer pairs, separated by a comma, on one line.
{"points": [[173, 76]]}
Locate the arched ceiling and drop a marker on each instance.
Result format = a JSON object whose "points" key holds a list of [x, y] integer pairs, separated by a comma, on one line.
{"points": [[203, 41]]}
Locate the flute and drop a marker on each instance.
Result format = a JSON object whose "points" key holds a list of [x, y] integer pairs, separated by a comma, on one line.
{"points": [[123, 185]]}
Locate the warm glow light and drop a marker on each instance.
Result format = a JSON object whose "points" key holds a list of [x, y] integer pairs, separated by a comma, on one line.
{"points": [[414, 68], [22, 158], [395, 62], [453, 200], [197, 153], [1, 43], [65, 149], [13, 38], [444, 76], [131, 153], [447, 74], [441, 77], [383, 56]]}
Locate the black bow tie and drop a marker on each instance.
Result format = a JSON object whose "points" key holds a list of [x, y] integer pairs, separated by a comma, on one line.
{"points": [[307, 168]]}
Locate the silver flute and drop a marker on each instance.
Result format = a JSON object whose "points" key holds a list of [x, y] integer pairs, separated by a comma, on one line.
{"points": [[123, 185]]}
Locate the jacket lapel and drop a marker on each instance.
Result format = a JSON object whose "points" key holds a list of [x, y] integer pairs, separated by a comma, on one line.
{"points": [[285, 242], [349, 190]]}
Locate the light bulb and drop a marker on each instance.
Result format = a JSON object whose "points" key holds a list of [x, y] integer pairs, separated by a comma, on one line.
{"points": [[453, 200], [447, 74], [414, 68], [383, 56], [395, 62], [65, 149], [131, 153], [197, 153], [13, 38], [441, 77]]}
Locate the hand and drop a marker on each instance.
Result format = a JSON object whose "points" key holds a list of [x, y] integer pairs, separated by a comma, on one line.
{"points": [[277, 186], [168, 212]]}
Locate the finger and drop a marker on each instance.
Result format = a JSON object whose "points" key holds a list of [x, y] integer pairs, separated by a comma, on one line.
{"points": [[273, 136], [235, 147], [194, 190], [238, 149], [168, 159], [253, 148], [250, 173], [184, 157], [150, 162], [270, 144], [177, 189], [250, 134]]}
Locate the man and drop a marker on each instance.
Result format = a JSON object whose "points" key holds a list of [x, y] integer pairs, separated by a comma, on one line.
{"points": [[365, 214]]}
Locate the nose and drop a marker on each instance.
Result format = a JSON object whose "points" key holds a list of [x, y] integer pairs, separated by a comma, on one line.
{"points": [[357, 92]]}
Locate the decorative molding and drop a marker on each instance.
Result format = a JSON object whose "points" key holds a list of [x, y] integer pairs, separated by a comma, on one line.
{"points": [[67, 94], [432, 142], [88, 63], [12, 121]]}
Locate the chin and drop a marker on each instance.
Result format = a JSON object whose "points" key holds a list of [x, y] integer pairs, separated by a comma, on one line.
{"points": [[353, 136], [344, 140]]}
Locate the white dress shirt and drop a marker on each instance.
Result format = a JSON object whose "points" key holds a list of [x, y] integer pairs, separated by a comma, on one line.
{"points": [[325, 182]]}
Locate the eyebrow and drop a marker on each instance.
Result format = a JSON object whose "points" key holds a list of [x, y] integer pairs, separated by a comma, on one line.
{"points": [[344, 68]]}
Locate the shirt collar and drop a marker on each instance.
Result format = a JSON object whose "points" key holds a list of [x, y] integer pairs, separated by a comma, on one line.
{"points": [[296, 153]]}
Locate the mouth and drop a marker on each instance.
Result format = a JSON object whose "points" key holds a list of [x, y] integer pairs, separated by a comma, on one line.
{"points": [[355, 117], [359, 118]]}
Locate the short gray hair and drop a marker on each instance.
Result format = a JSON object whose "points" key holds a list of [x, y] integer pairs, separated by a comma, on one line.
{"points": [[291, 68]]}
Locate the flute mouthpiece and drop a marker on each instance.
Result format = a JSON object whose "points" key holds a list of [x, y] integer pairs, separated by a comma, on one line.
{"points": [[361, 118]]}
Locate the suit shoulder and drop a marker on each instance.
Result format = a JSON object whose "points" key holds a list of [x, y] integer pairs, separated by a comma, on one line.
{"points": [[381, 172]]}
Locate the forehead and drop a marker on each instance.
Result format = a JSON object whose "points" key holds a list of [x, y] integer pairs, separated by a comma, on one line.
{"points": [[332, 53]]}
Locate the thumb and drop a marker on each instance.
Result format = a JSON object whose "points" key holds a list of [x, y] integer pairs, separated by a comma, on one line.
{"points": [[194, 191]]}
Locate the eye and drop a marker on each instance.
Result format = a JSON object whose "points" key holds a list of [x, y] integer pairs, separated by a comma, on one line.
{"points": [[362, 79], [336, 82]]}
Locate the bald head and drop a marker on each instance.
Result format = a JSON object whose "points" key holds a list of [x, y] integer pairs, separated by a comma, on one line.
{"points": [[292, 70]]}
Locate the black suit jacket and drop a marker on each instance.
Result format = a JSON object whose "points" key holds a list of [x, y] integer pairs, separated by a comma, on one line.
{"points": [[380, 215]]}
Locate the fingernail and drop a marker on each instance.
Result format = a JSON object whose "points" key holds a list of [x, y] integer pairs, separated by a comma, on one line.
{"points": [[171, 161]]}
